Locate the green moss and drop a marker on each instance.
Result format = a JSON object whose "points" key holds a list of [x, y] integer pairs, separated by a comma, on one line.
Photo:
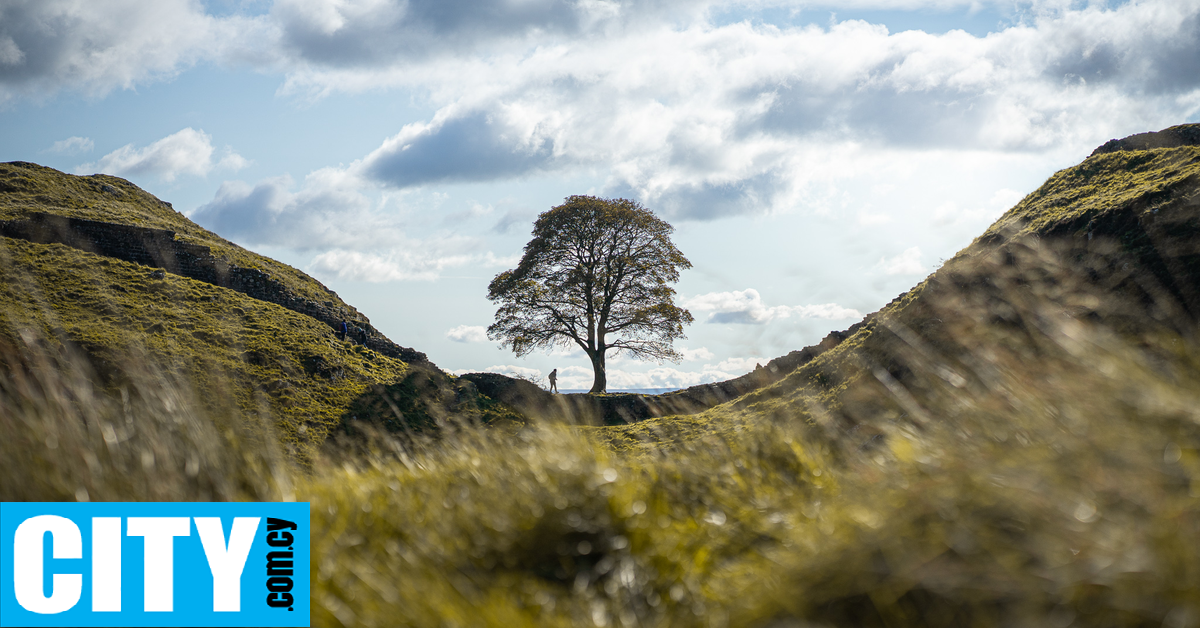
{"points": [[269, 360], [1099, 186], [27, 188]]}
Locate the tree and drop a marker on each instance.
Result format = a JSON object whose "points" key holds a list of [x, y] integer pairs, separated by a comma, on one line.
{"points": [[596, 275]]}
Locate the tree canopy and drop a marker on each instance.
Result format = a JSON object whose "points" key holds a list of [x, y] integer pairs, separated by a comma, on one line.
{"points": [[596, 275]]}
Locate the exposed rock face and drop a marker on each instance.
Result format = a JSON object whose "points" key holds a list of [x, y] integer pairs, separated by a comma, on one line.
{"points": [[159, 248], [1173, 137]]}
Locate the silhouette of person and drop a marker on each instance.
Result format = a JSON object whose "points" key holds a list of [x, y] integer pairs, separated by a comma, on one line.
{"points": [[554, 380], [342, 329]]}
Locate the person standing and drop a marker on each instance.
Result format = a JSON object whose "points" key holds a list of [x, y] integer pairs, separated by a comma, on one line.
{"points": [[554, 380], [342, 329]]}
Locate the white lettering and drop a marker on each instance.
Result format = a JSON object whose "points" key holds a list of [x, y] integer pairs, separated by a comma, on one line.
{"points": [[65, 542], [226, 563], [160, 533], [106, 564]]}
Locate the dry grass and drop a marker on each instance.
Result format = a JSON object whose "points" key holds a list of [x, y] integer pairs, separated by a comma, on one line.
{"points": [[261, 359], [1014, 443], [1062, 490]]}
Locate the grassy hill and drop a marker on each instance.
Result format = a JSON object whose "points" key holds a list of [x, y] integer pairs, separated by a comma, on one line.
{"points": [[27, 188], [231, 349], [235, 354], [1013, 442], [1109, 246]]}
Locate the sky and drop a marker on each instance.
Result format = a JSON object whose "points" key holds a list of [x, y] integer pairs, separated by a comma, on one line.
{"points": [[816, 159]]}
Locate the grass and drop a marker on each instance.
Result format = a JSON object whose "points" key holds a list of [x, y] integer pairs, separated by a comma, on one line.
{"points": [[1014, 442], [1099, 186], [1142, 211], [27, 188], [1071, 496], [260, 358]]}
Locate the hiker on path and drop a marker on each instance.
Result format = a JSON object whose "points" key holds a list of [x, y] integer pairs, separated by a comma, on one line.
{"points": [[342, 330], [362, 336], [554, 380]]}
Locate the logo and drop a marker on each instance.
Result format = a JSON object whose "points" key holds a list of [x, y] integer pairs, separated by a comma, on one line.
{"points": [[154, 564]]}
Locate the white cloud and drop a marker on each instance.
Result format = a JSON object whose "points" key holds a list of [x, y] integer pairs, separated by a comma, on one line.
{"points": [[906, 263], [94, 47], [575, 377], [357, 266], [511, 370], [746, 307], [737, 306], [580, 377], [328, 210], [423, 261], [354, 238], [231, 161], [869, 219], [186, 152], [737, 366], [474, 147], [696, 119], [701, 121], [828, 311], [74, 145], [575, 351], [386, 33], [695, 355], [950, 213], [468, 333]]}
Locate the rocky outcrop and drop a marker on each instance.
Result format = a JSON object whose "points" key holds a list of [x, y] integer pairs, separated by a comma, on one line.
{"points": [[159, 248], [1173, 137]]}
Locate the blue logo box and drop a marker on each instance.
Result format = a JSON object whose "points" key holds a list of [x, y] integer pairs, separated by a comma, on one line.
{"points": [[154, 564]]}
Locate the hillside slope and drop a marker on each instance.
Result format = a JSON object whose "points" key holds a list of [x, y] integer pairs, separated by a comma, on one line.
{"points": [[230, 349], [95, 266], [1110, 246], [131, 229], [27, 189]]}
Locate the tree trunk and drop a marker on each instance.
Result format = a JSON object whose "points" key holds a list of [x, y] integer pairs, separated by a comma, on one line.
{"points": [[600, 383]]}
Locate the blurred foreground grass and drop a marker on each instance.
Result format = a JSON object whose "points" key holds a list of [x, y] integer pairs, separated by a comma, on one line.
{"points": [[1056, 482], [1013, 442]]}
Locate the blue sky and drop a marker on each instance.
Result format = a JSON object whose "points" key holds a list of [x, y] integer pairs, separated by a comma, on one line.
{"points": [[816, 159]]}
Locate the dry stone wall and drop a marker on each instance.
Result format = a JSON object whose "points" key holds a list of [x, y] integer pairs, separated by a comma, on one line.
{"points": [[158, 248]]}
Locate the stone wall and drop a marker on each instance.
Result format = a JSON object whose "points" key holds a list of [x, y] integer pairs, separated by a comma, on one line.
{"points": [[158, 248]]}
